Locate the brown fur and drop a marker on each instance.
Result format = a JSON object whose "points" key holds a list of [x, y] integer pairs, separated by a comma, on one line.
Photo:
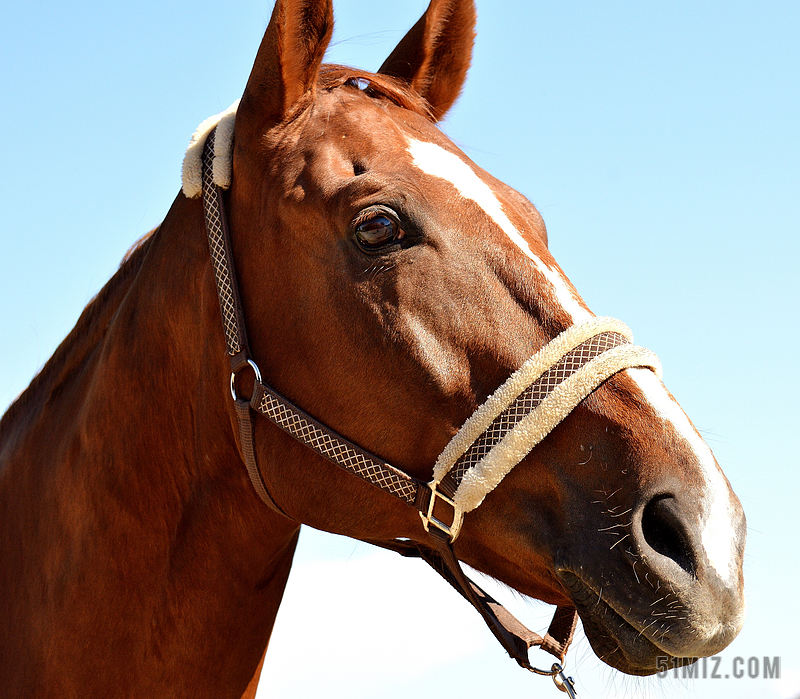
{"points": [[135, 558]]}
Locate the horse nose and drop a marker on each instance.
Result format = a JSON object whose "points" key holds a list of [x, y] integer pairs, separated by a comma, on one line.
{"points": [[697, 555], [679, 538], [668, 536]]}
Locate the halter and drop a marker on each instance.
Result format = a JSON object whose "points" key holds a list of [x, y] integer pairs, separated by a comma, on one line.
{"points": [[501, 432]]}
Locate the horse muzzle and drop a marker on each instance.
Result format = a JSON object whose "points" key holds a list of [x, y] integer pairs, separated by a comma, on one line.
{"points": [[659, 600]]}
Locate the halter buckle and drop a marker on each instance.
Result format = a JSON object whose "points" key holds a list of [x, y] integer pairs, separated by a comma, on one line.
{"points": [[428, 518]]}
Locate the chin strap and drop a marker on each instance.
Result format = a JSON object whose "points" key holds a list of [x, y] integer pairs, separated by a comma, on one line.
{"points": [[498, 435], [515, 638]]}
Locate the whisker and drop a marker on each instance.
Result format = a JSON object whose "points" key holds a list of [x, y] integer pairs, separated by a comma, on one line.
{"points": [[622, 513], [619, 541]]}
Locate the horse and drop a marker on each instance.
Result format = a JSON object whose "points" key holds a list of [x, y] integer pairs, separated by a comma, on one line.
{"points": [[391, 289]]}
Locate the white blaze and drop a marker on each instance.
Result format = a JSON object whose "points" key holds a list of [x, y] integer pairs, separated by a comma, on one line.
{"points": [[718, 536], [435, 160]]}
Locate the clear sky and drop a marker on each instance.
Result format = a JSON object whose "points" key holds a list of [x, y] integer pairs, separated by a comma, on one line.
{"points": [[661, 143]]}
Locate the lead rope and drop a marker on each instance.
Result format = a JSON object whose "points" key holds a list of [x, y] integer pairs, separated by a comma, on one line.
{"points": [[515, 638]]}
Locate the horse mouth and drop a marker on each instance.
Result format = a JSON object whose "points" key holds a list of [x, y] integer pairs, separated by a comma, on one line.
{"points": [[615, 640]]}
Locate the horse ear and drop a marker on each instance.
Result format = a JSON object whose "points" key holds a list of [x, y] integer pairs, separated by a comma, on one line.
{"points": [[288, 60], [434, 56]]}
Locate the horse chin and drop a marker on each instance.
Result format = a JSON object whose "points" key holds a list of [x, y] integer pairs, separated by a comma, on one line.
{"points": [[615, 640]]}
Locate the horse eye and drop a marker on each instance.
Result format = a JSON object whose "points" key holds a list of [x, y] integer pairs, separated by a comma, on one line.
{"points": [[378, 231]]}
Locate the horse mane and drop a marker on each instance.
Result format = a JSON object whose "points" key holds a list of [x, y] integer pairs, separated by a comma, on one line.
{"points": [[88, 331], [376, 85]]}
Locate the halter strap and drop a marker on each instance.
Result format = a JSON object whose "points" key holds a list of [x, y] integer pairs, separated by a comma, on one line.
{"points": [[498, 435]]}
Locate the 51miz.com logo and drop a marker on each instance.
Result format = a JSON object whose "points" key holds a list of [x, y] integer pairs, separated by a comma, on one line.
{"points": [[714, 668]]}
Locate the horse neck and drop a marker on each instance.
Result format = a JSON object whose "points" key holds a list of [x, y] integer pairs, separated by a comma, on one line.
{"points": [[126, 515]]}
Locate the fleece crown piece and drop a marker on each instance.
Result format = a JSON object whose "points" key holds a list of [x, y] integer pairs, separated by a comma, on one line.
{"points": [[191, 173]]}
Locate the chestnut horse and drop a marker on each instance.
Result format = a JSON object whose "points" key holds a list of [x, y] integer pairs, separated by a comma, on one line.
{"points": [[389, 286]]}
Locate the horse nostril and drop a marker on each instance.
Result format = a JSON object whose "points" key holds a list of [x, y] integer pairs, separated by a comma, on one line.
{"points": [[665, 533]]}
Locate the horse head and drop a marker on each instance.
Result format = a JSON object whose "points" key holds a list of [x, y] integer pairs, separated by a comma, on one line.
{"points": [[390, 285]]}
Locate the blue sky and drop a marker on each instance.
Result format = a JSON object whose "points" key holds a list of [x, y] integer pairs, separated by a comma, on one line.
{"points": [[661, 143]]}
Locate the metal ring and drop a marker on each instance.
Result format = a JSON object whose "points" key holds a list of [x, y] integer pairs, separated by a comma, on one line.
{"points": [[254, 367], [545, 673]]}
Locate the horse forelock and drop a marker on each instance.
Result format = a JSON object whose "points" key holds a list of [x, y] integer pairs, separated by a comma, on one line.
{"points": [[376, 85], [331, 77]]}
